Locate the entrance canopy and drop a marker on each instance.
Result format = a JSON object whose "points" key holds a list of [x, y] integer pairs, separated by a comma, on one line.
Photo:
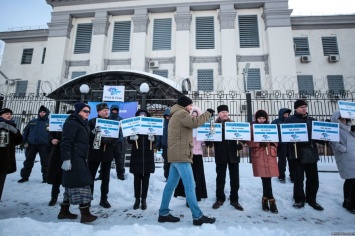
{"points": [[159, 87]]}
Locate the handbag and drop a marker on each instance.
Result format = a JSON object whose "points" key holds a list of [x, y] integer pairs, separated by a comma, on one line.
{"points": [[309, 155]]}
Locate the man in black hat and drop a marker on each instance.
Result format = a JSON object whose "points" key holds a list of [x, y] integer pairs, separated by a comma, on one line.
{"points": [[104, 155], [301, 169], [226, 155], [36, 135]]}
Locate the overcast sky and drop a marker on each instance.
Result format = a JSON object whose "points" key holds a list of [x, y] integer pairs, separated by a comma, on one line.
{"points": [[35, 13]]}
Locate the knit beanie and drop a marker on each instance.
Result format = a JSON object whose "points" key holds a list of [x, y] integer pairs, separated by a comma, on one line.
{"points": [[299, 103], [79, 106], [184, 101], [222, 108], [260, 113], [5, 110]]}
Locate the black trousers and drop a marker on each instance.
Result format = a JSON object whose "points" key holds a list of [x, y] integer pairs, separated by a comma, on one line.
{"points": [[282, 154], [312, 182], [141, 185], [267, 188], [349, 190], [31, 152], [55, 190], [119, 158], [221, 170], [2, 182], [166, 165], [105, 176]]}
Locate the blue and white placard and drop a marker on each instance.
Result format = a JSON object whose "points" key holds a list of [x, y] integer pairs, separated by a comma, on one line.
{"points": [[294, 132], [56, 122], [265, 133], [327, 131], [347, 109], [204, 134], [130, 126], [113, 93], [109, 128], [237, 131], [151, 125]]}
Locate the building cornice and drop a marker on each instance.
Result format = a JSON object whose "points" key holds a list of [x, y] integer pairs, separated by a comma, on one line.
{"points": [[24, 36], [227, 16], [323, 22]]}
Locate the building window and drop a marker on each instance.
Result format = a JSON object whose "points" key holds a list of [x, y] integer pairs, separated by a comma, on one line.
{"points": [[205, 80], [330, 46], [305, 84], [21, 88], [27, 56], [336, 84], [83, 38], [205, 32], [163, 73], [43, 55], [248, 31], [301, 46], [253, 79], [121, 36], [76, 74], [162, 34]]}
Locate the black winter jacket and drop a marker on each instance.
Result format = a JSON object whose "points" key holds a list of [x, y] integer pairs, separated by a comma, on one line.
{"points": [[36, 132]]}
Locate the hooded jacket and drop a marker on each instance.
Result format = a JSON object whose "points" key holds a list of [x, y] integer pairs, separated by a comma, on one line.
{"points": [[344, 150], [163, 139], [116, 116], [281, 120], [180, 142], [36, 132]]}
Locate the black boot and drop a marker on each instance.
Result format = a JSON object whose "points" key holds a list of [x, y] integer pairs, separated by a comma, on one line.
{"points": [[144, 204], [136, 204], [349, 207], [273, 207], [265, 204], [86, 216], [53, 201]]}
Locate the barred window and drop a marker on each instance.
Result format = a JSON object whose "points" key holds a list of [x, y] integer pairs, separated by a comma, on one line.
{"points": [[121, 36], [305, 84], [162, 34], [205, 80], [163, 73], [27, 56], [205, 32], [301, 46], [83, 38], [330, 46], [335, 84], [253, 79], [21, 88], [76, 74], [248, 31]]}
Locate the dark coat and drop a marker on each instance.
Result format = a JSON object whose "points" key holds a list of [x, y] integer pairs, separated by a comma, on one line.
{"points": [[36, 131], [54, 173], [7, 156], [163, 139], [281, 120], [106, 151], [75, 147], [142, 159], [113, 116]]}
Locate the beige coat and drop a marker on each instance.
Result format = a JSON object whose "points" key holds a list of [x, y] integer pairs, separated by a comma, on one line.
{"points": [[180, 133]]}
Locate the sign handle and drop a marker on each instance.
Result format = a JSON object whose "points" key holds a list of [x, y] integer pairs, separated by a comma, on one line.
{"points": [[237, 150], [136, 144], [295, 146], [267, 151]]}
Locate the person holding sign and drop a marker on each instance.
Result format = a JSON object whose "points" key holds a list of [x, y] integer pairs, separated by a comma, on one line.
{"points": [[180, 147], [264, 162], [226, 154], [299, 167], [141, 164], [162, 143], [102, 156], [344, 155]]}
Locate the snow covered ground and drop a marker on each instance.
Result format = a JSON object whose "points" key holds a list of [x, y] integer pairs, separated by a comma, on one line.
{"points": [[24, 208]]}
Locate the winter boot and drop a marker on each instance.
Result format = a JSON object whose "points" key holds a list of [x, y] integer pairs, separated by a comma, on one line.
{"points": [[144, 204], [349, 207], [86, 216], [136, 204], [53, 201], [273, 207], [65, 213], [265, 204]]}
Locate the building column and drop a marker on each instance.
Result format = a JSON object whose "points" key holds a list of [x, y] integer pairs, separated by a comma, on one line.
{"points": [[140, 26], [183, 22]]}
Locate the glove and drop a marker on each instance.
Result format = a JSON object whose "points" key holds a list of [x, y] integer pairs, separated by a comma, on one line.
{"points": [[263, 144], [66, 165], [96, 130], [211, 111], [133, 137], [239, 146], [209, 144], [353, 128], [106, 140], [151, 138]]}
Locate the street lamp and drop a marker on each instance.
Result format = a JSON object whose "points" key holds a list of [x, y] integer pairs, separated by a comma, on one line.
{"points": [[144, 89], [84, 89]]}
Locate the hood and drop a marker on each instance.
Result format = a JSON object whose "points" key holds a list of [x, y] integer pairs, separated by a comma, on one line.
{"points": [[43, 108], [142, 110], [335, 118], [166, 112], [282, 111], [115, 107], [197, 109]]}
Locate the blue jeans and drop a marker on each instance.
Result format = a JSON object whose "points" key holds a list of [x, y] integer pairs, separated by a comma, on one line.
{"points": [[181, 170]]}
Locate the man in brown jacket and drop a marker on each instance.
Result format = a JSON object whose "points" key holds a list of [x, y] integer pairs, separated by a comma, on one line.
{"points": [[180, 158]]}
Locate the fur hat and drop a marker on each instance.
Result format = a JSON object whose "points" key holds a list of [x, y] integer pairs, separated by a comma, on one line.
{"points": [[222, 108], [101, 106], [79, 106], [299, 103], [261, 113], [184, 101], [5, 110]]}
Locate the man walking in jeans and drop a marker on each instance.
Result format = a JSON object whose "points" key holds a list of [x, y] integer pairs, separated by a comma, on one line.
{"points": [[180, 159]]}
